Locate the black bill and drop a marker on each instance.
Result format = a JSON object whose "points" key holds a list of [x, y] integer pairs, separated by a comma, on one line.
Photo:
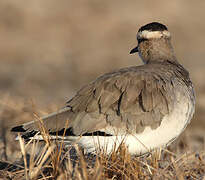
{"points": [[134, 50]]}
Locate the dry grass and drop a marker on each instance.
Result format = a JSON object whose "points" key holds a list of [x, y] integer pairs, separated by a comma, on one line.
{"points": [[53, 160], [53, 164]]}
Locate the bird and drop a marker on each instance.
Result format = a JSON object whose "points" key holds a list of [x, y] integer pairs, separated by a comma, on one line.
{"points": [[144, 107]]}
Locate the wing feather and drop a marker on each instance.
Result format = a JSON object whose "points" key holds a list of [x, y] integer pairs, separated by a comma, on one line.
{"points": [[129, 98]]}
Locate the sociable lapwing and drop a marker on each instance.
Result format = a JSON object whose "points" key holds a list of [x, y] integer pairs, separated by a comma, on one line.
{"points": [[145, 107]]}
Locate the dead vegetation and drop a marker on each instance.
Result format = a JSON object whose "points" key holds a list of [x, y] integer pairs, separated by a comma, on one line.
{"points": [[52, 160], [52, 163]]}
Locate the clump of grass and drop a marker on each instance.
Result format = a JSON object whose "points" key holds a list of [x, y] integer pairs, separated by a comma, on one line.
{"points": [[54, 161]]}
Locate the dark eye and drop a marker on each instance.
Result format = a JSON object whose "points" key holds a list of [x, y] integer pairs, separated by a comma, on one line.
{"points": [[141, 40]]}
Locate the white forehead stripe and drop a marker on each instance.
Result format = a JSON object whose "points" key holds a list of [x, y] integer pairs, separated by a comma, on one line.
{"points": [[152, 34]]}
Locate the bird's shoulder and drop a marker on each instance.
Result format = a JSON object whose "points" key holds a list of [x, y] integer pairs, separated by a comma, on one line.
{"points": [[143, 84]]}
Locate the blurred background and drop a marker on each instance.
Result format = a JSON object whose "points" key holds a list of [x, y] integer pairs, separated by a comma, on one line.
{"points": [[49, 49]]}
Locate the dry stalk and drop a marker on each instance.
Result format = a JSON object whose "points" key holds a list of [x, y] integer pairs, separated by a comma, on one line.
{"points": [[23, 151]]}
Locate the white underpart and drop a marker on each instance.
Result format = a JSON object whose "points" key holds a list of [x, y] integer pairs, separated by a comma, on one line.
{"points": [[171, 127], [152, 34]]}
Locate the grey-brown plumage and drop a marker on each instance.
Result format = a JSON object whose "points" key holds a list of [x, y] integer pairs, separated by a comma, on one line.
{"points": [[131, 99]]}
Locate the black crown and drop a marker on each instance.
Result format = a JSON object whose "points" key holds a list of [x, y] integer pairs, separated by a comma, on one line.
{"points": [[154, 26]]}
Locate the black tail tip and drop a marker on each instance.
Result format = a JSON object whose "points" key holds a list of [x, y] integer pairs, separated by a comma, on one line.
{"points": [[18, 129]]}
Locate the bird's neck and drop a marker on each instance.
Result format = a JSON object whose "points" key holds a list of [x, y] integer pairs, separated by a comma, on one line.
{"points": [[156, 51]]}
